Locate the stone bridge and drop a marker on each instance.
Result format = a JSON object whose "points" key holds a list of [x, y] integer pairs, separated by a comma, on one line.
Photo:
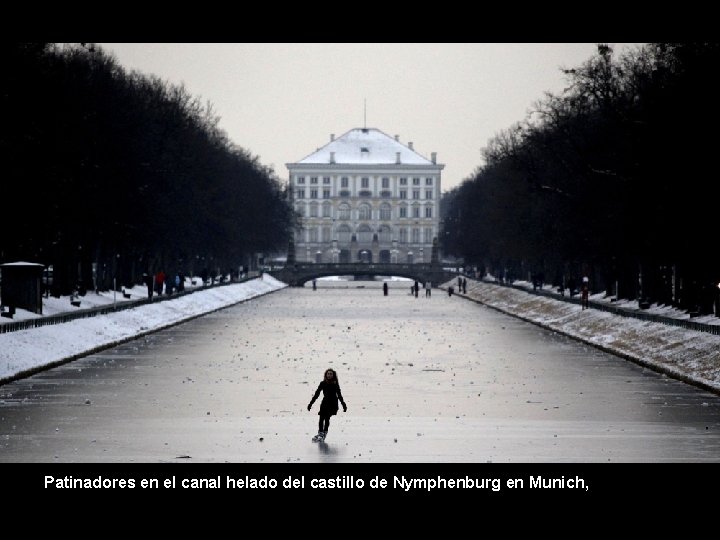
{"points": [[298, 274]]}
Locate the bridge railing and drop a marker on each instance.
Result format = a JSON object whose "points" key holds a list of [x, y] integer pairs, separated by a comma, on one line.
{"points": [[321, 267]]}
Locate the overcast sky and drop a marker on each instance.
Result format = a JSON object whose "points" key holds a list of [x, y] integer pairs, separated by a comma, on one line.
{"points": [[282, 101]]}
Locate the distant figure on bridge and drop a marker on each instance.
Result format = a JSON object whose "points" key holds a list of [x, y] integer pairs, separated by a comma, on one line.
{"points": [[385, 289], [417, 289], [464, 286]]}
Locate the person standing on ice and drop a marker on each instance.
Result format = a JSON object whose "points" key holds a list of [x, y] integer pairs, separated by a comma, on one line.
{"points": [[330, 387]]}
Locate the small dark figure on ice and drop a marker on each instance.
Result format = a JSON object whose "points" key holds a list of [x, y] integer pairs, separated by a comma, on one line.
{"points": [[330, 387]]}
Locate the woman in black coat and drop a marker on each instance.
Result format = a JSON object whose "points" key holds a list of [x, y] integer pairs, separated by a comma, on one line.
{"points": [[330, 387]]}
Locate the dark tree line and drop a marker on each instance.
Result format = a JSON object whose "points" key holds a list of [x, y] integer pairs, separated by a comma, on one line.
{"points": [[123, 171], [615, 179]]}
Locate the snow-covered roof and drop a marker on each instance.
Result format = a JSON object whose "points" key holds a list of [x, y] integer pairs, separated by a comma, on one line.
{"points": [[21, 263], [365, 146]]}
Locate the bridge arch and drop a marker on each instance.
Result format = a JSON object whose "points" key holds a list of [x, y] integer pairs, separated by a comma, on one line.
{"points": [[301, 273]]}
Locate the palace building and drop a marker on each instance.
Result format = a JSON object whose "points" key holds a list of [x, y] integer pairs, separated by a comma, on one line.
{"points": [[366, 197]]}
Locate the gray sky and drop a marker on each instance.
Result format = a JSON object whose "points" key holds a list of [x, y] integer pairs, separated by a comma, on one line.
{"points": [[282, 101]]}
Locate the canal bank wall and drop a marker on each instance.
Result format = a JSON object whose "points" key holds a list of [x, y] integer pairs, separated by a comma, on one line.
{"points": [[25, 352], [688, 355]]}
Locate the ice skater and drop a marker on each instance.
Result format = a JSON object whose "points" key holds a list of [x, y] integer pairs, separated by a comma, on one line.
{"points": [[330, 387]]}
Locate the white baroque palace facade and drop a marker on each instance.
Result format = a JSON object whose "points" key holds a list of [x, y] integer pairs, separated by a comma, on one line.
{"points": [[366, 197]]}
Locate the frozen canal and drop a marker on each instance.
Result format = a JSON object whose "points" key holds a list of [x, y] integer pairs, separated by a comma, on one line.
{"points": [[425, 379]]}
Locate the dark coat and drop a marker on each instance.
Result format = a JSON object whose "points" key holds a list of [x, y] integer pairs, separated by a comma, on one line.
{"points": [[331, 396]]}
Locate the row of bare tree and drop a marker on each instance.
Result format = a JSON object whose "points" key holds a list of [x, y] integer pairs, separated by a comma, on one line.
{"points": [[124, 173], [615, 179]]}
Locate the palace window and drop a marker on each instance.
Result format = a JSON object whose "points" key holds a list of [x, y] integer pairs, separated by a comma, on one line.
{"points": [[344, 211], [364, 211], [344, 234], [365, 234]]}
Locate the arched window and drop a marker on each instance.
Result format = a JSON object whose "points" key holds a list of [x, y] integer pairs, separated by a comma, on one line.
{"points": [[313, 209], [385, 212], [385, 234], [344, 211], [326, 209], [403, 235], [403, 210], [343, 234], [364, 234], [364, 211]]}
